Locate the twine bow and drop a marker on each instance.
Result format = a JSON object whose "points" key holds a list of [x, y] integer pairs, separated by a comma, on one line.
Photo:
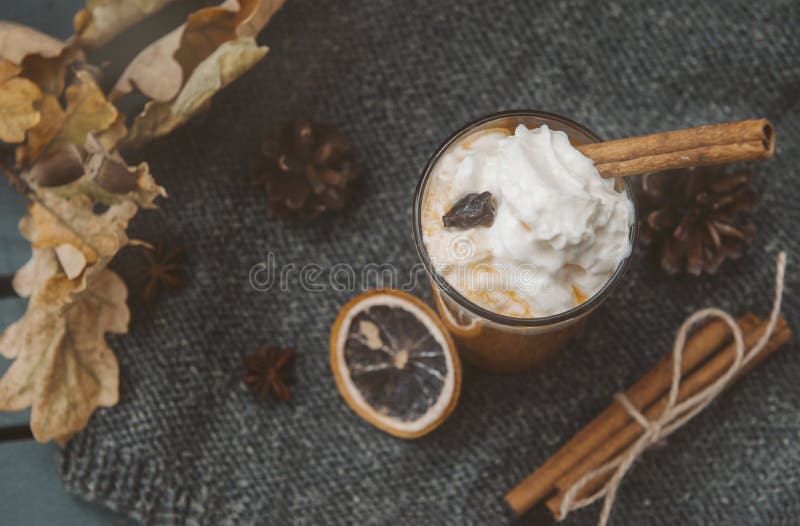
{"points": [[675, 414]]}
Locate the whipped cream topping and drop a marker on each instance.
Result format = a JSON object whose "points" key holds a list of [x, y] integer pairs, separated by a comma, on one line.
{"points": [[560, 229]]}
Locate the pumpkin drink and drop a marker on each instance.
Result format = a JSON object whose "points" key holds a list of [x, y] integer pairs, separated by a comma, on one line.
{"points": [[521, 235]]}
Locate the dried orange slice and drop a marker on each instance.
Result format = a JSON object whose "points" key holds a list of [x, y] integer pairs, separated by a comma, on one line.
{"points": [[394, 363]]}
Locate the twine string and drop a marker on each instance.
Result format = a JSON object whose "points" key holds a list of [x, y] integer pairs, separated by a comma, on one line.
{"points": [[675, 414]]}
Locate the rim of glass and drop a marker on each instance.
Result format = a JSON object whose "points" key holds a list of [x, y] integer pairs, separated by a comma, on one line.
{"points": [[451, 291]]}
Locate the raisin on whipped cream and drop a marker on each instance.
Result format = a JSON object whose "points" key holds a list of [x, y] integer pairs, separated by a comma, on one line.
{"points": [[470, 211]]}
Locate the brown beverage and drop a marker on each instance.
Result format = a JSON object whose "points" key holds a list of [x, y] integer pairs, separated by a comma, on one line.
{"points": [[500, 326]]}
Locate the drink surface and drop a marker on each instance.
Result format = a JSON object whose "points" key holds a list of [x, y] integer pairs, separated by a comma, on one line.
{"points": [[560, 230]]}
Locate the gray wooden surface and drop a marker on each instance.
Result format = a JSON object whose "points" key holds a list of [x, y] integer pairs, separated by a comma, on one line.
{"points": [[33, 494], [29, 482]]}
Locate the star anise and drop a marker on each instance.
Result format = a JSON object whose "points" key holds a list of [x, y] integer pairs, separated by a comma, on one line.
{"points": [[694, 219], [266, 370], [165, 268]]}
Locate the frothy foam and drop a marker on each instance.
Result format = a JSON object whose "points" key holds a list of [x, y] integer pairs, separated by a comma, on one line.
{"points": [[560, 229]]}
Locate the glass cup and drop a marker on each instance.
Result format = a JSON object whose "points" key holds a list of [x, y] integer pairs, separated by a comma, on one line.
{"points": [[487, 339]]}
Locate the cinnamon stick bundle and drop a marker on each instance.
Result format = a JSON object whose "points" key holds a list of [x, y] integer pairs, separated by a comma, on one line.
{"points": [[694, 383], [704, 342], [614, 430], [705, 145]]}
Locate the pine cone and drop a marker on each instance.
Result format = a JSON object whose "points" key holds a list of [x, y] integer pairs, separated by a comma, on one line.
{"points": [[693, 218], [306, 168]]}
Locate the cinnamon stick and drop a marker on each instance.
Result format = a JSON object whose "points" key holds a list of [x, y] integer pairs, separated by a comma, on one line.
{"points": [[646, 145], [700, 345], [703, 156], [698, 380], [704, 145]]}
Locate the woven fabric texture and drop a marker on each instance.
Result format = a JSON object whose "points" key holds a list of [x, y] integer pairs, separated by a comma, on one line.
{"points": [[188, 444]]}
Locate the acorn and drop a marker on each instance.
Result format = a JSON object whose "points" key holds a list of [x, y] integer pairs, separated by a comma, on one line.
{"points": [[58, 168], [115, 177]]}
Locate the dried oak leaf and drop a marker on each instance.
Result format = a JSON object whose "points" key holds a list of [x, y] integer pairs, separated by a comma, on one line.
{"points": [[18, 41], [42, 58], [18, 97], [52, 116], [207, 29], [165, 66], [87, 111], [63, 368], [50, 73], [33, 275], [102, 20], [225, 65], [50, 280], [82, 242], [153, 71]]}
